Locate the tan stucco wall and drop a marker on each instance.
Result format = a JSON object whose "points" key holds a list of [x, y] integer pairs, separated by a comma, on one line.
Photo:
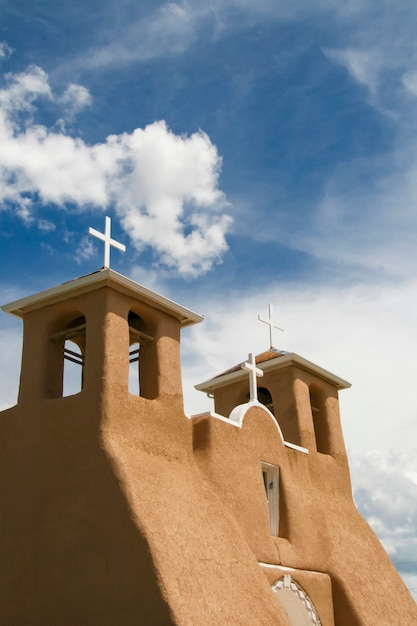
{"points": [[320, 528]]}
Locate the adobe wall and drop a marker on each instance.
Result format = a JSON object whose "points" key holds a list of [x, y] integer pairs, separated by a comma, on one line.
{"points": [[320, 528]]}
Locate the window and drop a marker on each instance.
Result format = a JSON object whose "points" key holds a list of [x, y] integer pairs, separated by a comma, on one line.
{"points": [[73, 369], [270, 477]]}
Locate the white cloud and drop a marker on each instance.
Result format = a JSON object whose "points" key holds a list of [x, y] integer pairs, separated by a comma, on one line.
{"points": [[46, 226], [5, 50], [75, 98], [175, 179], [21, 90], [85, 250], [164, 186]]}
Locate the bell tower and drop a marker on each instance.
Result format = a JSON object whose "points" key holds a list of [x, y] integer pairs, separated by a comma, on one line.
{"points": [[302, 396], [102, 315]]}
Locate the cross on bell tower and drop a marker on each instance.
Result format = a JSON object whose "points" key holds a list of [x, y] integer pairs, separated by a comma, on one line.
{"points": [[108, 241], [254, 372], [271, 325]]}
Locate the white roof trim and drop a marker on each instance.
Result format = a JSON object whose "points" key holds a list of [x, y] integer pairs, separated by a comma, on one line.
{"points": [[96, 280], [290, 358]]}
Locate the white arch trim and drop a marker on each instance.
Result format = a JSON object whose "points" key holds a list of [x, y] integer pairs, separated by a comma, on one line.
{"points": [[238, 414]]}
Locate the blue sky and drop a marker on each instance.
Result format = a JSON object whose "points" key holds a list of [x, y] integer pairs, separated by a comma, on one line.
{"points": [[248, 153]]}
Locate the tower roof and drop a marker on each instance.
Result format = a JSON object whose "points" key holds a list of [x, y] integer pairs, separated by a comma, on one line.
{"points": [[104, 277], [271, 359]]}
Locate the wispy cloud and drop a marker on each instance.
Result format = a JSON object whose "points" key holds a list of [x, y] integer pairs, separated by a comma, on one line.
{"points": [[368, 222], [363, 66], [169, 29], [410, 81], [164, 186]]}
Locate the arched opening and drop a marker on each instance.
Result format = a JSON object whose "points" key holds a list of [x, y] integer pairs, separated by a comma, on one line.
{"points": [[137, 338], [73, 352], [296, 602], [265, 398]]}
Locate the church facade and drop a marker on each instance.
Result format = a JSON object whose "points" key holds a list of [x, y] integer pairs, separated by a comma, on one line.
{"points": [[117, 508]]}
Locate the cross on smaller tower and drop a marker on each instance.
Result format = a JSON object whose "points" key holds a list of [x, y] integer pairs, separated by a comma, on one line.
{"points": [[108, 241], [254, 372], [271, 325]]}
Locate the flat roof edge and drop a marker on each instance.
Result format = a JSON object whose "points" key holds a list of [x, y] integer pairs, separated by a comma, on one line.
{"points": [[276, 363], [96, 280]]}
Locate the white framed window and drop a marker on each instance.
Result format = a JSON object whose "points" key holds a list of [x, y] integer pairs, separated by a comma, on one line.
{"points": [[270, 475]]}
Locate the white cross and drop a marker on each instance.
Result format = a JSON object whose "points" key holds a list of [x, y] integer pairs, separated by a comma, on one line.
{"points": [[108, 241], [270, 324], [254, 371]]}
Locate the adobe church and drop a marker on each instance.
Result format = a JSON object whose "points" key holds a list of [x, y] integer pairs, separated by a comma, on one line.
{"points": [[120, 510]]}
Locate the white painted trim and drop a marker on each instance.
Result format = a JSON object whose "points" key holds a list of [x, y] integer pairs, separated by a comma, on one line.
{"points": [[102, 278], [238, 414], [283, 568], [294, 446]]}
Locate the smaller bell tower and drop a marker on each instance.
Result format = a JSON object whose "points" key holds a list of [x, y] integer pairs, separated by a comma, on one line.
{"points": [[302, 396]]}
